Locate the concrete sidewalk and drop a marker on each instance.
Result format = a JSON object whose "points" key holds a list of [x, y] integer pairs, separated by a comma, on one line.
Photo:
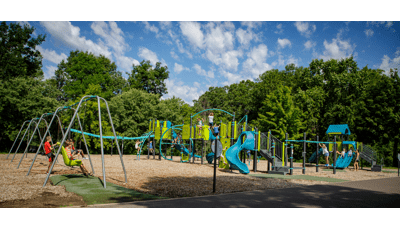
{"points": [[378, 193]]}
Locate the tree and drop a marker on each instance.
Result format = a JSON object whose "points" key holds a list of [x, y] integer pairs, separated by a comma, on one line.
{"points": [[279, 114], [18, 54], [82, 69], [149, 79]]}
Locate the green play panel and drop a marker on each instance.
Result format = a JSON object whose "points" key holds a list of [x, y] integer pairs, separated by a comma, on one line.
{"points": [[93, 192], [298, 177]]}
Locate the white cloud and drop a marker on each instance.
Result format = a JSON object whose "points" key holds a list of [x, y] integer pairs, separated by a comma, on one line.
{"points": [[174, 55], [228, 60], [192, 31], [50, 72], [310, 44], [244, 37], [389, 24], [202, 72], [284, 42], [165, 25], [256, 61], [231, 78], [337, 49], [369, 32], [251, 25], [305, 28], [70, 36], [185, 92], [280, 30], [218, 39], [126, 63], [151, 28], [388, 63], [183, 50], [196, 84], [51, 55], [179, 68], [147, 54]]}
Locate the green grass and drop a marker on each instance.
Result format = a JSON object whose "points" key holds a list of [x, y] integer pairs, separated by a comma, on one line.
{"points": [[337, 170], [390, 167], [387, 171], [93, 192], [298, 177]]}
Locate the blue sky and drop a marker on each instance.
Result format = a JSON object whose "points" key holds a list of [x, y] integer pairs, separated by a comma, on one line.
{"points": [[217, 53]]}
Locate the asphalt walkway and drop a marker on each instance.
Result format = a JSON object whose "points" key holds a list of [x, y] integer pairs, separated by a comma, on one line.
{"points": [[378, 193]]}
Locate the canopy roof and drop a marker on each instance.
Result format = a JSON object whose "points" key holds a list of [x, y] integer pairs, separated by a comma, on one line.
{"points": [[338, 129]]}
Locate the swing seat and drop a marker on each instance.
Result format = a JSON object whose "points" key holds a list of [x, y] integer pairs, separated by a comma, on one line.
{"points": [[67, 161]]}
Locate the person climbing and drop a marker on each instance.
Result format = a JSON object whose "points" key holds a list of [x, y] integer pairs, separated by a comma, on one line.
{"points": [[357, 160], [151, 147], [137, 146], [210, 119], [216, 131], [175, 141], [200, 125], [249, 156], [48, 148], [68, 149], [326, 153]]}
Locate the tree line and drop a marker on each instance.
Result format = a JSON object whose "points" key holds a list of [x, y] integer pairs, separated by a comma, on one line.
{"points": [[293, 101]]}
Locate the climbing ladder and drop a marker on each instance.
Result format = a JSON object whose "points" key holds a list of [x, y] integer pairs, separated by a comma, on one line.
{"points": [[368, 154], [273, 156]]}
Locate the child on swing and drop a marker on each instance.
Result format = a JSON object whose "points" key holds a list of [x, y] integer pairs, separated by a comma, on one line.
{"points": [[76, 152], [68, 149], [48, 148]]}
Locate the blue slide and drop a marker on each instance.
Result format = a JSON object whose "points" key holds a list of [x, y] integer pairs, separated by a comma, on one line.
{"points": [[344, 162], [232, 154], [313, 158]]}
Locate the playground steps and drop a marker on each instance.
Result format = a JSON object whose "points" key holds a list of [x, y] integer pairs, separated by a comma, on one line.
{"points": [[278, 169], [376, 168]]}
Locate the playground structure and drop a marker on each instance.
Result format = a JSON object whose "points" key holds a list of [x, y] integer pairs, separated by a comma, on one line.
{"points": [[233, 137]]}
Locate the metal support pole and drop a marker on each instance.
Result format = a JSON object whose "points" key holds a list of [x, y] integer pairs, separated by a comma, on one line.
{"points": [[304, 153], [233, 129], [255, 152], [63, 140], [273, 156], [202, 151], [101, 143], [122, 147], [23, 137], [286, 149], [334, 156], [16, 138], [215, 163], [30, 140], [115, 138], [84, 140], [148, 149], [316, 166], [190, 136], [291, 159], [112, 143]]}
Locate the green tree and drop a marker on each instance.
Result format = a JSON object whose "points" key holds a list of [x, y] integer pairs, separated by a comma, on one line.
{"points": [[82, 69], [18, 54], [145, 77], [279, 114]]}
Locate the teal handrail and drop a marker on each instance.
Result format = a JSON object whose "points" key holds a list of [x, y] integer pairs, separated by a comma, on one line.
{"points": [[213, 109]]}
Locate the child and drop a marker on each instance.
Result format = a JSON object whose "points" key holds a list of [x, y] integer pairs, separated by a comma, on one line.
{"points": [[151, 147], [350, 152], [326, 153], [248, 156], [357, 159], [137, 146], [216, 131], [210, 119], [68, 149], [341, 153], [200, 125], [48, 148], [76, 152], [175, 141]]}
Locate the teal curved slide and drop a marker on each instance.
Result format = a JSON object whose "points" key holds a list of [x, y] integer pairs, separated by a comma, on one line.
{"points": [[344, 162], [313, 158], [232, 154]]}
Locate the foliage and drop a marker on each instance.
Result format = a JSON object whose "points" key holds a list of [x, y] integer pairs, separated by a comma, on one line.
{"points": [[149, 79], [18, 54]]}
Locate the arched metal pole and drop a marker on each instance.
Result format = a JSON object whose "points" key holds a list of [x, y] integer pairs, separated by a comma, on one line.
{"points": [[84, 140], [101, 143], [65, 136], [33, 134], [42, 141], [23, 137], [17, 137], [116, 139]]}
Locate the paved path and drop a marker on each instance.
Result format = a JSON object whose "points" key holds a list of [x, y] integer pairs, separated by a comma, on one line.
{"points": [[378, 193]]}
